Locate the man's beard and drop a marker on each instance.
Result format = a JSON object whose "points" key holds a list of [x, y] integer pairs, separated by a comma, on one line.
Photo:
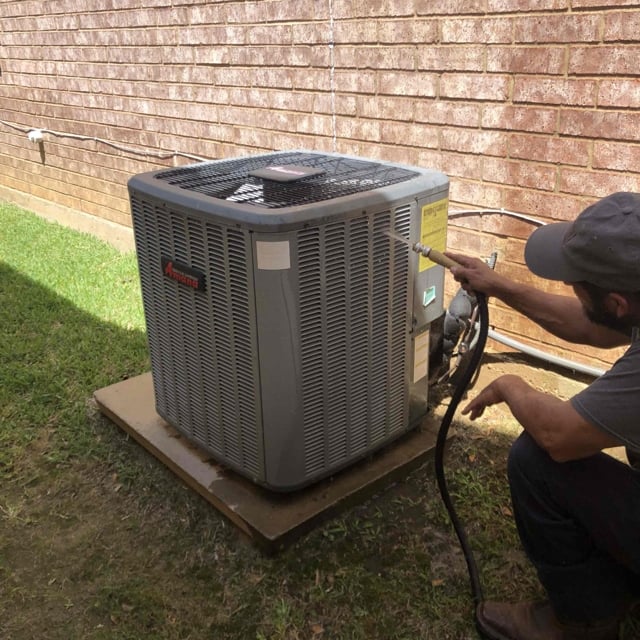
{"points": [[600, 315]]}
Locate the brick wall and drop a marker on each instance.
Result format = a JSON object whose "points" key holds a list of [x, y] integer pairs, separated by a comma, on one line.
{"points": [[527, 106]]}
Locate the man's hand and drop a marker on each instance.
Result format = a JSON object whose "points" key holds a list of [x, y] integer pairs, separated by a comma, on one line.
{"points": [[490, 395], [475, 275], [553, 423]]}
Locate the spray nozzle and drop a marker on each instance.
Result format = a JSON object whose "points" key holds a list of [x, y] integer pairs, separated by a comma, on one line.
{"points": [[428, 252]]}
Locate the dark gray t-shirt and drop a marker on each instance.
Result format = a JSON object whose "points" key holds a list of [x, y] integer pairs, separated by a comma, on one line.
{"points": [[612, 402]]}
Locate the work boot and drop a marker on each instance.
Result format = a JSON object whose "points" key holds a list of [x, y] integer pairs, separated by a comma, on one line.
{"points": [[536, 621]]}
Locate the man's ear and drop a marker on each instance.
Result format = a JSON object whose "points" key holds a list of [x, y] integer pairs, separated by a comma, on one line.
{"points": [[617, 303]]}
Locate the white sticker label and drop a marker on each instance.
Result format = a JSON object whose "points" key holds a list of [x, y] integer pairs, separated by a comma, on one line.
{"points": [[273, 255], [421, 356]]}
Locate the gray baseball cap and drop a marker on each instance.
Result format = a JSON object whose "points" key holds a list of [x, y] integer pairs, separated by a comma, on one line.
{"points": [[601, 246]]}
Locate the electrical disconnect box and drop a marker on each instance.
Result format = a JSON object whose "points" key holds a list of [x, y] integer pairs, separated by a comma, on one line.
{"points": [[289, 335]]}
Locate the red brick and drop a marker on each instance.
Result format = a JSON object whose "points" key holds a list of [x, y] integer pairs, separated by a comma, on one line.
{"points": [[214, 35], [477, 30], [229, 78], [316, 33], [492, 143], [555, 91], [371, 9], [597, 184], [558, 28], [278, 34], [449, 7], [276, 56], [604, 60], [353, 81], [549, 149], [527, 60], [451, 58], [410, 31], [476, 194], [352, 32], [537, 119], [273, 78], [619, 93], [522, 6], [511, 231], [613, 125], [410, 134], [360, 57], [294, 101], [519, 174], [351, 128], [14, 9], [616, 156], [475, 86], [311, 123], [482, 244], [380, 151], [98, 5], [454, 165], [589, 4], [406, 83], [252, 138], [387, 108], [544, 205], [621, 26], [344, 105], [299, 11], [464, 114]]}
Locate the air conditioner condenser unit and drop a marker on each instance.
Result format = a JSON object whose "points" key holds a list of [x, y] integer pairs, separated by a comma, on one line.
{"points": [[288, 334]]}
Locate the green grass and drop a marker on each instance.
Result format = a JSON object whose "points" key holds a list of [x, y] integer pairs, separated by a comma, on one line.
{"points": [[99, 541], [67, 303]]}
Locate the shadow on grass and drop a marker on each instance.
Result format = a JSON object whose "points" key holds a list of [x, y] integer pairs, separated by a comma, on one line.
{"points": [[54, 356]]}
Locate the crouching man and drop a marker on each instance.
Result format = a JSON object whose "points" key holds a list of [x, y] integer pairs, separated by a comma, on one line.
{"points": [[577, 509]]}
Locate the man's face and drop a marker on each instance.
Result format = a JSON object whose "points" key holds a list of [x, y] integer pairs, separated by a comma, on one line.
{"points": [[596, 310]]}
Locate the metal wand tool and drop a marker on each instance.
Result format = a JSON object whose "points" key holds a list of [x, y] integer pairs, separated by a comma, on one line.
{"points": [[428, 252]]}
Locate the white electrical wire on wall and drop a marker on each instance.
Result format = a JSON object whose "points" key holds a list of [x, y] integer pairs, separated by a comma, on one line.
{"points": [[160, 155]]}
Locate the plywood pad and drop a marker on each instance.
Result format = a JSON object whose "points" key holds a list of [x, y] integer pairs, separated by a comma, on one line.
{"points": [[271, 520]]}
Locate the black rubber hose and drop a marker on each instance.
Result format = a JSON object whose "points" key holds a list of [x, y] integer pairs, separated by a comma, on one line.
{"points": [[458, 393]]}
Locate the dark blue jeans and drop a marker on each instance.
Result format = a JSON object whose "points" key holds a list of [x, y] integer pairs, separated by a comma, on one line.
{"points": [[579, 523]]}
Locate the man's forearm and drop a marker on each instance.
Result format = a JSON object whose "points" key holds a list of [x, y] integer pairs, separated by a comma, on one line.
{"points": [[530, 407], [553, 423], [554, 313], [563, 316]]}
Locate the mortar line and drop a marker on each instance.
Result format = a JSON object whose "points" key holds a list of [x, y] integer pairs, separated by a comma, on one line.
{"points": [[332, 77]]}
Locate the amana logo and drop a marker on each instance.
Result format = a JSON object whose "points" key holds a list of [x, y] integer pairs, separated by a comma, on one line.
{"points": [[182, 273]]}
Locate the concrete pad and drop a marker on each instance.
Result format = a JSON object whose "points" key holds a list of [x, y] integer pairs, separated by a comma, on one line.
{"points": [[270, 520]]}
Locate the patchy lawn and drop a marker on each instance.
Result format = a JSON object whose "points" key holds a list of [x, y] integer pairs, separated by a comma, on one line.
{"points": [[100, 541]]}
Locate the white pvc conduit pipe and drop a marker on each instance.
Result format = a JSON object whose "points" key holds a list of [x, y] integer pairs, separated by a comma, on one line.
{"points": [[515, 344]]}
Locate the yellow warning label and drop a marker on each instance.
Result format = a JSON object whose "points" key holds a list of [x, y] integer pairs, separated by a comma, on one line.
{"points": [[433, 229]]}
